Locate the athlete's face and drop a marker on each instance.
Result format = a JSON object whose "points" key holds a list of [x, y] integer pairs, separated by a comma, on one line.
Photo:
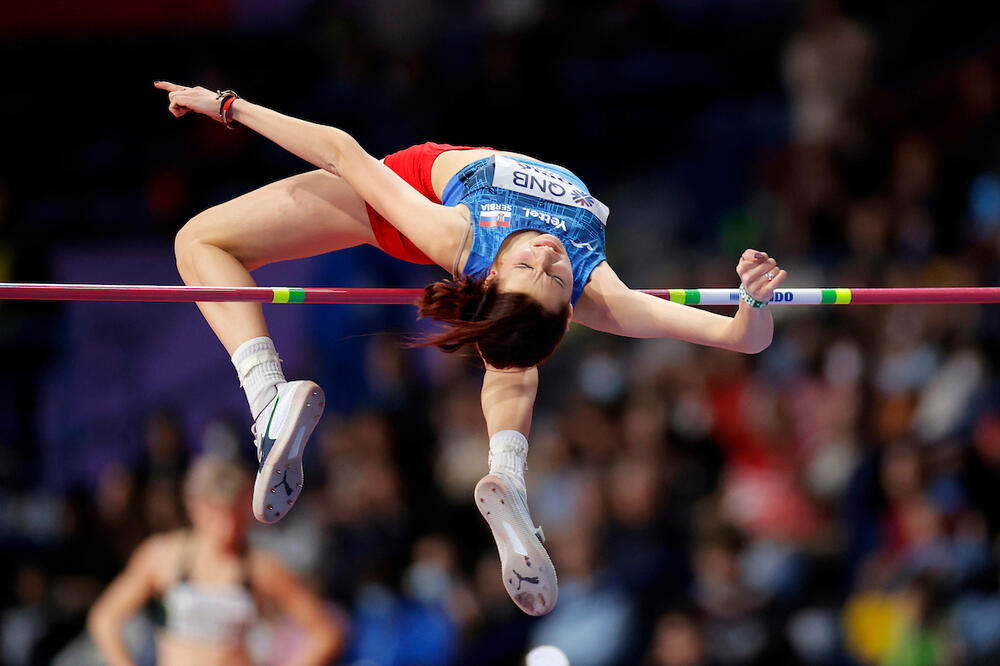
{"points": [[223, 523], [536, 265]]}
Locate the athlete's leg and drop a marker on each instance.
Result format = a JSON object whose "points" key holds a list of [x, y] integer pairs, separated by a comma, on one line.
{"points": [[508, 400], [301, 216]]}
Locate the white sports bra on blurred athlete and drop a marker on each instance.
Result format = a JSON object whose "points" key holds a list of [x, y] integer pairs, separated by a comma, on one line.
{"points": [[208, 612]]}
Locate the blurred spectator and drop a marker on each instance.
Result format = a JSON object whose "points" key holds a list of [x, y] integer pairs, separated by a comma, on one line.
{"points": [[735, 631], [165, 456], [594, 617], [26, 620], [422, 625], [678, 641], [921, 639], [827, 66]]}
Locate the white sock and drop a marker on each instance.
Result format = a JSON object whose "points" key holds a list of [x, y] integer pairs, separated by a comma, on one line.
{"points": [[509, 456], [259, 370]]}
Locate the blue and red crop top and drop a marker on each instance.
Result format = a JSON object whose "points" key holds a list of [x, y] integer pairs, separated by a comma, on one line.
{"points": [[507, 194]]}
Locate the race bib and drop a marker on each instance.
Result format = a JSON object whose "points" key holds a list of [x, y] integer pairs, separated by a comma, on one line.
{"points": [[543, 183]]}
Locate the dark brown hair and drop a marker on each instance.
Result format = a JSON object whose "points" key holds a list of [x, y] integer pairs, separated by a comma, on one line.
{"points": [[509, 329]]}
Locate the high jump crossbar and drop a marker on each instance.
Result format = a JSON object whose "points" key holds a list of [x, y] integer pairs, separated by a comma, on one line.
{"points": [[373, 296]]}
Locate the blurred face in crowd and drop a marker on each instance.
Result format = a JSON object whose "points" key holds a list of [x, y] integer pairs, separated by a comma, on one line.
{"points": [[677, 641], [901, 472], [633, 490], [921, 522], [116, 490], [716, 564], [575, 548]]}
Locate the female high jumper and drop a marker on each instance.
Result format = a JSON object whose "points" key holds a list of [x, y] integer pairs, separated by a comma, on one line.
{"points": [[524, 242]]}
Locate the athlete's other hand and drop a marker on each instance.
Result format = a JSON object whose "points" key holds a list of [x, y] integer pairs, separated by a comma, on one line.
{"points": [[184, 99], [754, 268]]}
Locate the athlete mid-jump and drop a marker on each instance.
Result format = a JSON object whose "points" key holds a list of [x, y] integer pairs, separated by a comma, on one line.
{"points": [[524, 242]]}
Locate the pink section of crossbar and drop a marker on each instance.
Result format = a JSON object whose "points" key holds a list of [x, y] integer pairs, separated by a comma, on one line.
{"points": [[897, 296], [163, 294]]}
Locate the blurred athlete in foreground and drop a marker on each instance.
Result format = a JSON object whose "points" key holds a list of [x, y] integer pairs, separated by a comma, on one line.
{"points": [[209, 584]]}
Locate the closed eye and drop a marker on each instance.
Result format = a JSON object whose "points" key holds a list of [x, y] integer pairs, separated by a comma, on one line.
{"points": [[562, 283]]}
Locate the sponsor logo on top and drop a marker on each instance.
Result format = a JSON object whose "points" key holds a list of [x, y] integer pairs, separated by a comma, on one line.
{"points": [[582, 198], [537, 181], [557, 223], [545, 217]]}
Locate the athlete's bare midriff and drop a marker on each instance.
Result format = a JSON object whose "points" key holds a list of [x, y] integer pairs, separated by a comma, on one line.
{"points": [[172, 651]]}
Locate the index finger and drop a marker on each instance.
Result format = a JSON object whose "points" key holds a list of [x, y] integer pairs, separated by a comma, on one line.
{"points": [[168, 86]]}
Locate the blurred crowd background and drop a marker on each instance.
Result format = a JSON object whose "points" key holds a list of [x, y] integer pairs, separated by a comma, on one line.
{"points": [[833, 500]]}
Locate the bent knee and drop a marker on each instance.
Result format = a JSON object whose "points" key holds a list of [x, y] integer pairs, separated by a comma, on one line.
{"points": [[185, 242], [205, 231]]}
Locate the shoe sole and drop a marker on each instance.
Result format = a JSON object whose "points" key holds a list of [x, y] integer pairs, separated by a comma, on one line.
{"points": [[279, 480], [528, 574]]}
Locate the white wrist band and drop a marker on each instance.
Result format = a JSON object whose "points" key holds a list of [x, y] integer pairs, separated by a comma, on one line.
{"points": [[750, 300]]}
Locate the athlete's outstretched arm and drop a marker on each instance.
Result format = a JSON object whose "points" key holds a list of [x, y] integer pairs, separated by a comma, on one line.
{"points": [[509, 399], [336, 151], [609, 305]]}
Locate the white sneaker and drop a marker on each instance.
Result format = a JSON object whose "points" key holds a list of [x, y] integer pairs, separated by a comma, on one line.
{"points": [[280, 434], [528, 574]]}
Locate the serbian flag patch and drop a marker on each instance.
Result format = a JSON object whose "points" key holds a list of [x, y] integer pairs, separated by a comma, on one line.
{"points": [[494, 218]]}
